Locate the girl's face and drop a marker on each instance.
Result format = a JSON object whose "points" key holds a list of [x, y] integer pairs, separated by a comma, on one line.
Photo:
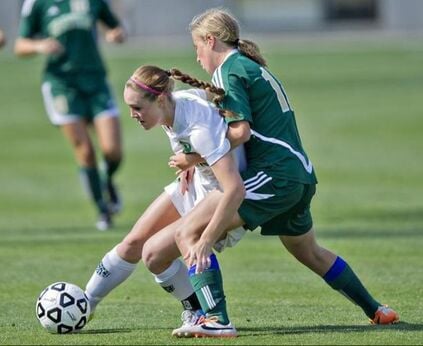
{"points": [[204, 50], [147, 113]]}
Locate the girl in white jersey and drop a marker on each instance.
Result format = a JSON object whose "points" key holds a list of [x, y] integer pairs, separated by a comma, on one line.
{"points": [[193, 125]]}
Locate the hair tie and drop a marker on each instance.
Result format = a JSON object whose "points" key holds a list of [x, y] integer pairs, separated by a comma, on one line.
{"points": [[236, 42], [168, 73], [145, 87]]}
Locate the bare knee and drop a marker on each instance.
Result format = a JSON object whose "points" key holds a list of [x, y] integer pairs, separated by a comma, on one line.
{"points": [[130, 249], [85, 154], [153, 260], [112, 153]]}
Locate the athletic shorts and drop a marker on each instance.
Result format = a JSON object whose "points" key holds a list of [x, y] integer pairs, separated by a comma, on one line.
{"points": [[278, 206], [66, 103], [199, 187]]}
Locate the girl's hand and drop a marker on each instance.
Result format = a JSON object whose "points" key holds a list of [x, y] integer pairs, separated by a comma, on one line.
{"points": [[116, 35], [183, 161], [199, 255], [185, 178]]}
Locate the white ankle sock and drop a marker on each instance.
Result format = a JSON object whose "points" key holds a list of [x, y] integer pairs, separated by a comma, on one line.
{"points": [[111, 271]]}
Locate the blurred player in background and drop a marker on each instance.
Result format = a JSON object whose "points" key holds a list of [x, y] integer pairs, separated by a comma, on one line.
{"points": [[280, 181], [75, 88]]}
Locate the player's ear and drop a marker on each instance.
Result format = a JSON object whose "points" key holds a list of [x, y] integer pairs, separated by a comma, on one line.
{"points": [[161, 100], [210, 40]]}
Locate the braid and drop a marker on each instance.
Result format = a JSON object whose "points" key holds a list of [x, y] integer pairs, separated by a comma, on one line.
{"points": [[196, 83]]}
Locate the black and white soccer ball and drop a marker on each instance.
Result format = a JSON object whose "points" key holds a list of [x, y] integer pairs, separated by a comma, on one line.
{"points": [[62, 308]]}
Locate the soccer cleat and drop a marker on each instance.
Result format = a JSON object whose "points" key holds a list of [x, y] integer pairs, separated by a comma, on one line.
{"points": [[104, 222], [189, 318], [385, 315], [204, 327]]}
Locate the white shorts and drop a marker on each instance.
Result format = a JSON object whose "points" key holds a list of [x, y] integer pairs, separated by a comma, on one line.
{"points": [[198, 188]]}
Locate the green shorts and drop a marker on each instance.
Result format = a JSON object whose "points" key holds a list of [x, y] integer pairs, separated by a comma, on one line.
{"points": [[278, 206], [66, 101]]}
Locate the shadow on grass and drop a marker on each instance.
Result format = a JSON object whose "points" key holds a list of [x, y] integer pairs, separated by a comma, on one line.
{"points": [[119, 330], [257, 331], [106, 331]]}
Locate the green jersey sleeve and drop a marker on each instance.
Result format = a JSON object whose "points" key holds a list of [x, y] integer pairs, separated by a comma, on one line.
{"points": [[29, 25], [237, 99], [106, 16]]}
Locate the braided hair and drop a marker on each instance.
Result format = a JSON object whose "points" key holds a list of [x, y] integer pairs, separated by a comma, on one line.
{"points": [[196, 83]]}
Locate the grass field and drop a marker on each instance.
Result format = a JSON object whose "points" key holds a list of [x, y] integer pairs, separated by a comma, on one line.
{"points": [[359, 111]]}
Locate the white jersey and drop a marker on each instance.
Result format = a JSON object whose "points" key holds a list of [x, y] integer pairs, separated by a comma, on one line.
{"points": [[197, 128]]}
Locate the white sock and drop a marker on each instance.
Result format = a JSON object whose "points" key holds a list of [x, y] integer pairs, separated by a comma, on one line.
{"points": [[175, 280], [111, 272]]}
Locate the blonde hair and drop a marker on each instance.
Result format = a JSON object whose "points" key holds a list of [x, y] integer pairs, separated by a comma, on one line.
{"points": [[225, 27], [155, 82]]}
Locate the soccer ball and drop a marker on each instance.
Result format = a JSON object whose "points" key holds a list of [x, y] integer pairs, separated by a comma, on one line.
{"points": [[62, 308]]}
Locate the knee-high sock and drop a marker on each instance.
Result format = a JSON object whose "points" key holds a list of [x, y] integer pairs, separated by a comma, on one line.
{"points": [[342, 278], [110, 167], [92, 184], [175, 280], [208, 286], [111, 272]]}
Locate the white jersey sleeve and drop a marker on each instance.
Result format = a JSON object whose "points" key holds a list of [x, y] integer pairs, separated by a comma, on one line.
{"points": [[199, 128]]}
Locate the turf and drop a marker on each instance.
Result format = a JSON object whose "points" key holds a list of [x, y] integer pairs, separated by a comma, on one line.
{"points": [[359, 111]]}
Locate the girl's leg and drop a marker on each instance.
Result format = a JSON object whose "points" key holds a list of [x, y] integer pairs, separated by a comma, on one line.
{"points": [[118, 264], [160, 255], [208, 285], [78, 135], [336, 273], [109, 138]]}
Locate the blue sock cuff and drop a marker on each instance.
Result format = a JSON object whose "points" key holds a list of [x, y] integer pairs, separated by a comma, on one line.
{"points": [[214, 265], [336, 270]]}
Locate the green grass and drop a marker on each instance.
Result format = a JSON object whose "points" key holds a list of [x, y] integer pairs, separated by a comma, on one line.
{"points": [[359, 112]]}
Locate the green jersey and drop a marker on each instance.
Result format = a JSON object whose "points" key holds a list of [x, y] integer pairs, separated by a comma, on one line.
{"points": [[258, 97], [73, 24]]}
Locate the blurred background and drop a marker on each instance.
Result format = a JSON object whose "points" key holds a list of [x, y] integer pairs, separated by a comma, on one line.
{"points": [[165, 22]]}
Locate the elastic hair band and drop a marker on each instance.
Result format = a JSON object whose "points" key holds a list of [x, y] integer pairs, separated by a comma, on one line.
{"points": [[145, 87]]}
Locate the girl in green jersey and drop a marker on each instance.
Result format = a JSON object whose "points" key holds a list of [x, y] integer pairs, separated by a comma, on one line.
{"points": [[279, 179]]}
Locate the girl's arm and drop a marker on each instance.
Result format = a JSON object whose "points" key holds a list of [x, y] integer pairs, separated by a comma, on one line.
{"points": [[238, 133], [226, 172], [28, 46]]}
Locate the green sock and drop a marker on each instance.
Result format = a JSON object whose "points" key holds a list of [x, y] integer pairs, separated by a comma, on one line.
{"points": [[110, 167], [91, 181], [208, 286], [342, 278]]}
